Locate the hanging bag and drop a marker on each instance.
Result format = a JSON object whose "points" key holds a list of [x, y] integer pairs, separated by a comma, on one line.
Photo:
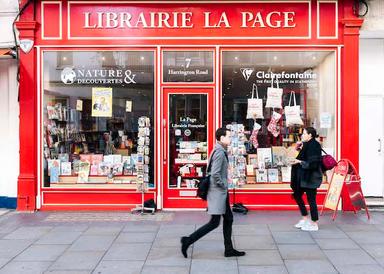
{"points": [[203, 184], [255, 105], [274, 95], [292, 113]]}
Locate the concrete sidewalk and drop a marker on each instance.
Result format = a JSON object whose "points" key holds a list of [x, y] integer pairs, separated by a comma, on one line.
{"points": [[118, 242]]}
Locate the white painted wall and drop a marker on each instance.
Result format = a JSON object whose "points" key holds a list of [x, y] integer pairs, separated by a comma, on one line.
{"points": [[9, 105], [371, 66], [9, 125]]}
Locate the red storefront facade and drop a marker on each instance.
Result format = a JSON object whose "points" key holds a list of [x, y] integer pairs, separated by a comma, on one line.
{"points": [[152, 37]]}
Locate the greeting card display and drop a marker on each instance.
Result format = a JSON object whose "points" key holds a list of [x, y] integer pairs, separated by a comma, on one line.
{"points": [[237, 156]]}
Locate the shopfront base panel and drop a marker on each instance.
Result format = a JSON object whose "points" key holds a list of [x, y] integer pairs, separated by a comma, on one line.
{"points": [[92, 200]]}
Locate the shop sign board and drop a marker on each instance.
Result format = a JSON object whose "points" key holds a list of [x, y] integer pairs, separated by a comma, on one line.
{"points": [[210, 20]]}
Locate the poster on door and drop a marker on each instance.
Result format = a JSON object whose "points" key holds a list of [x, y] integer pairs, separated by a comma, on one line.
{"points": [[101, 102]]}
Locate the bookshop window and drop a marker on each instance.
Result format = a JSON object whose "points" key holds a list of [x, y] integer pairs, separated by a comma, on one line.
{"points": [[264, 130], [98, 110]]}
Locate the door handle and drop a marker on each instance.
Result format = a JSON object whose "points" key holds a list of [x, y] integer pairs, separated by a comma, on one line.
{"points": [[379, 150], [164, 141]]}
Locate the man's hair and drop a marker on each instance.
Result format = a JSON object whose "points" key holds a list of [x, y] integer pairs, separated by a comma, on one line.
{"points": [[221, 132]]}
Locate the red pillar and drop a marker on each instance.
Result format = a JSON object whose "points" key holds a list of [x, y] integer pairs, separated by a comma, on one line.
{"points": [[27, 180], [350, 94]]}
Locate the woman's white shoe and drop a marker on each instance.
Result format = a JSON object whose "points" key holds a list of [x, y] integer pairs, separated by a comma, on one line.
{"points": [[301, 223], [310, 226]]}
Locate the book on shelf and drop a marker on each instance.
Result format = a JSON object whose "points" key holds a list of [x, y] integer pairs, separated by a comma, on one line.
{"points": [[96, 159], [273, 175], [54, 177], [264, 157], [286, 173], [53, 163], [66, 168], [83, 174], [261, 176], [94, 170]]}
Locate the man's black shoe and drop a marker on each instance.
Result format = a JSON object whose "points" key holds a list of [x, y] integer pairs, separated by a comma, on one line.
{"points": [[234, 253], [184, 246]]}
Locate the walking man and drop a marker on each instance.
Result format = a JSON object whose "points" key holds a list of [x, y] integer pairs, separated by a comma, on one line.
{"points": [[217, 198]]}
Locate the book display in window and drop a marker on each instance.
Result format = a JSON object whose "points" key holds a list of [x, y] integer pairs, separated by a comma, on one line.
{"points": [[78, 155], [191, 160]]}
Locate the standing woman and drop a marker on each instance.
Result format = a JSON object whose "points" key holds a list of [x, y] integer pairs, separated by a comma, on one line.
{"points": [[307, 176]]}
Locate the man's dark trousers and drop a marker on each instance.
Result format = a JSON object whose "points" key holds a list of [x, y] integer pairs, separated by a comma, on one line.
{"points": [[213, 224]]}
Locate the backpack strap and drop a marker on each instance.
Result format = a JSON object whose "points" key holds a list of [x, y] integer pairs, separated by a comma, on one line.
{"points": [[210, 160]]}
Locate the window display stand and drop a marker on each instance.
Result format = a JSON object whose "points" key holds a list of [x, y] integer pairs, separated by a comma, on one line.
{"points": [[143, 164], [141, 208]]}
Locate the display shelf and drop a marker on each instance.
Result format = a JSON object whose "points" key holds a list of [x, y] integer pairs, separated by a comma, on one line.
{"points": [[191, 177], [97, 186], [280, 185], [183, 162], [98, 179]]}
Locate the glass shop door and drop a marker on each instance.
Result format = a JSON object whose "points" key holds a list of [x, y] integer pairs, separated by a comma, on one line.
{"points": [[187, 138]]}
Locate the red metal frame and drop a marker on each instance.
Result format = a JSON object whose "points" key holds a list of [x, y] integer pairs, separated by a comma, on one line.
{"points": [[171, 197], [346, 43], [345, 167]]}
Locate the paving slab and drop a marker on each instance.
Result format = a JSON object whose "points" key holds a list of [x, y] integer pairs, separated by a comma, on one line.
{"points": [[140, 228], [104, 230], [3, 262], [134, 251], [309, 267], [247, 269], [121, 245], [261, 257], [360, 269], [119, 267], [25, 267], [168, 256], [36, 253], [375, 250], [69, 228], [301, 252], [167, 242], [60, 238], [253, 230], [11, 248], [136, 237], [300, 237], [214, 266], [336, 244], [73, 260], [27, 233], [147, 269], [367, 237], [212, 250], [349, 257], [67, 272], [255, 242], [92, 243]]}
